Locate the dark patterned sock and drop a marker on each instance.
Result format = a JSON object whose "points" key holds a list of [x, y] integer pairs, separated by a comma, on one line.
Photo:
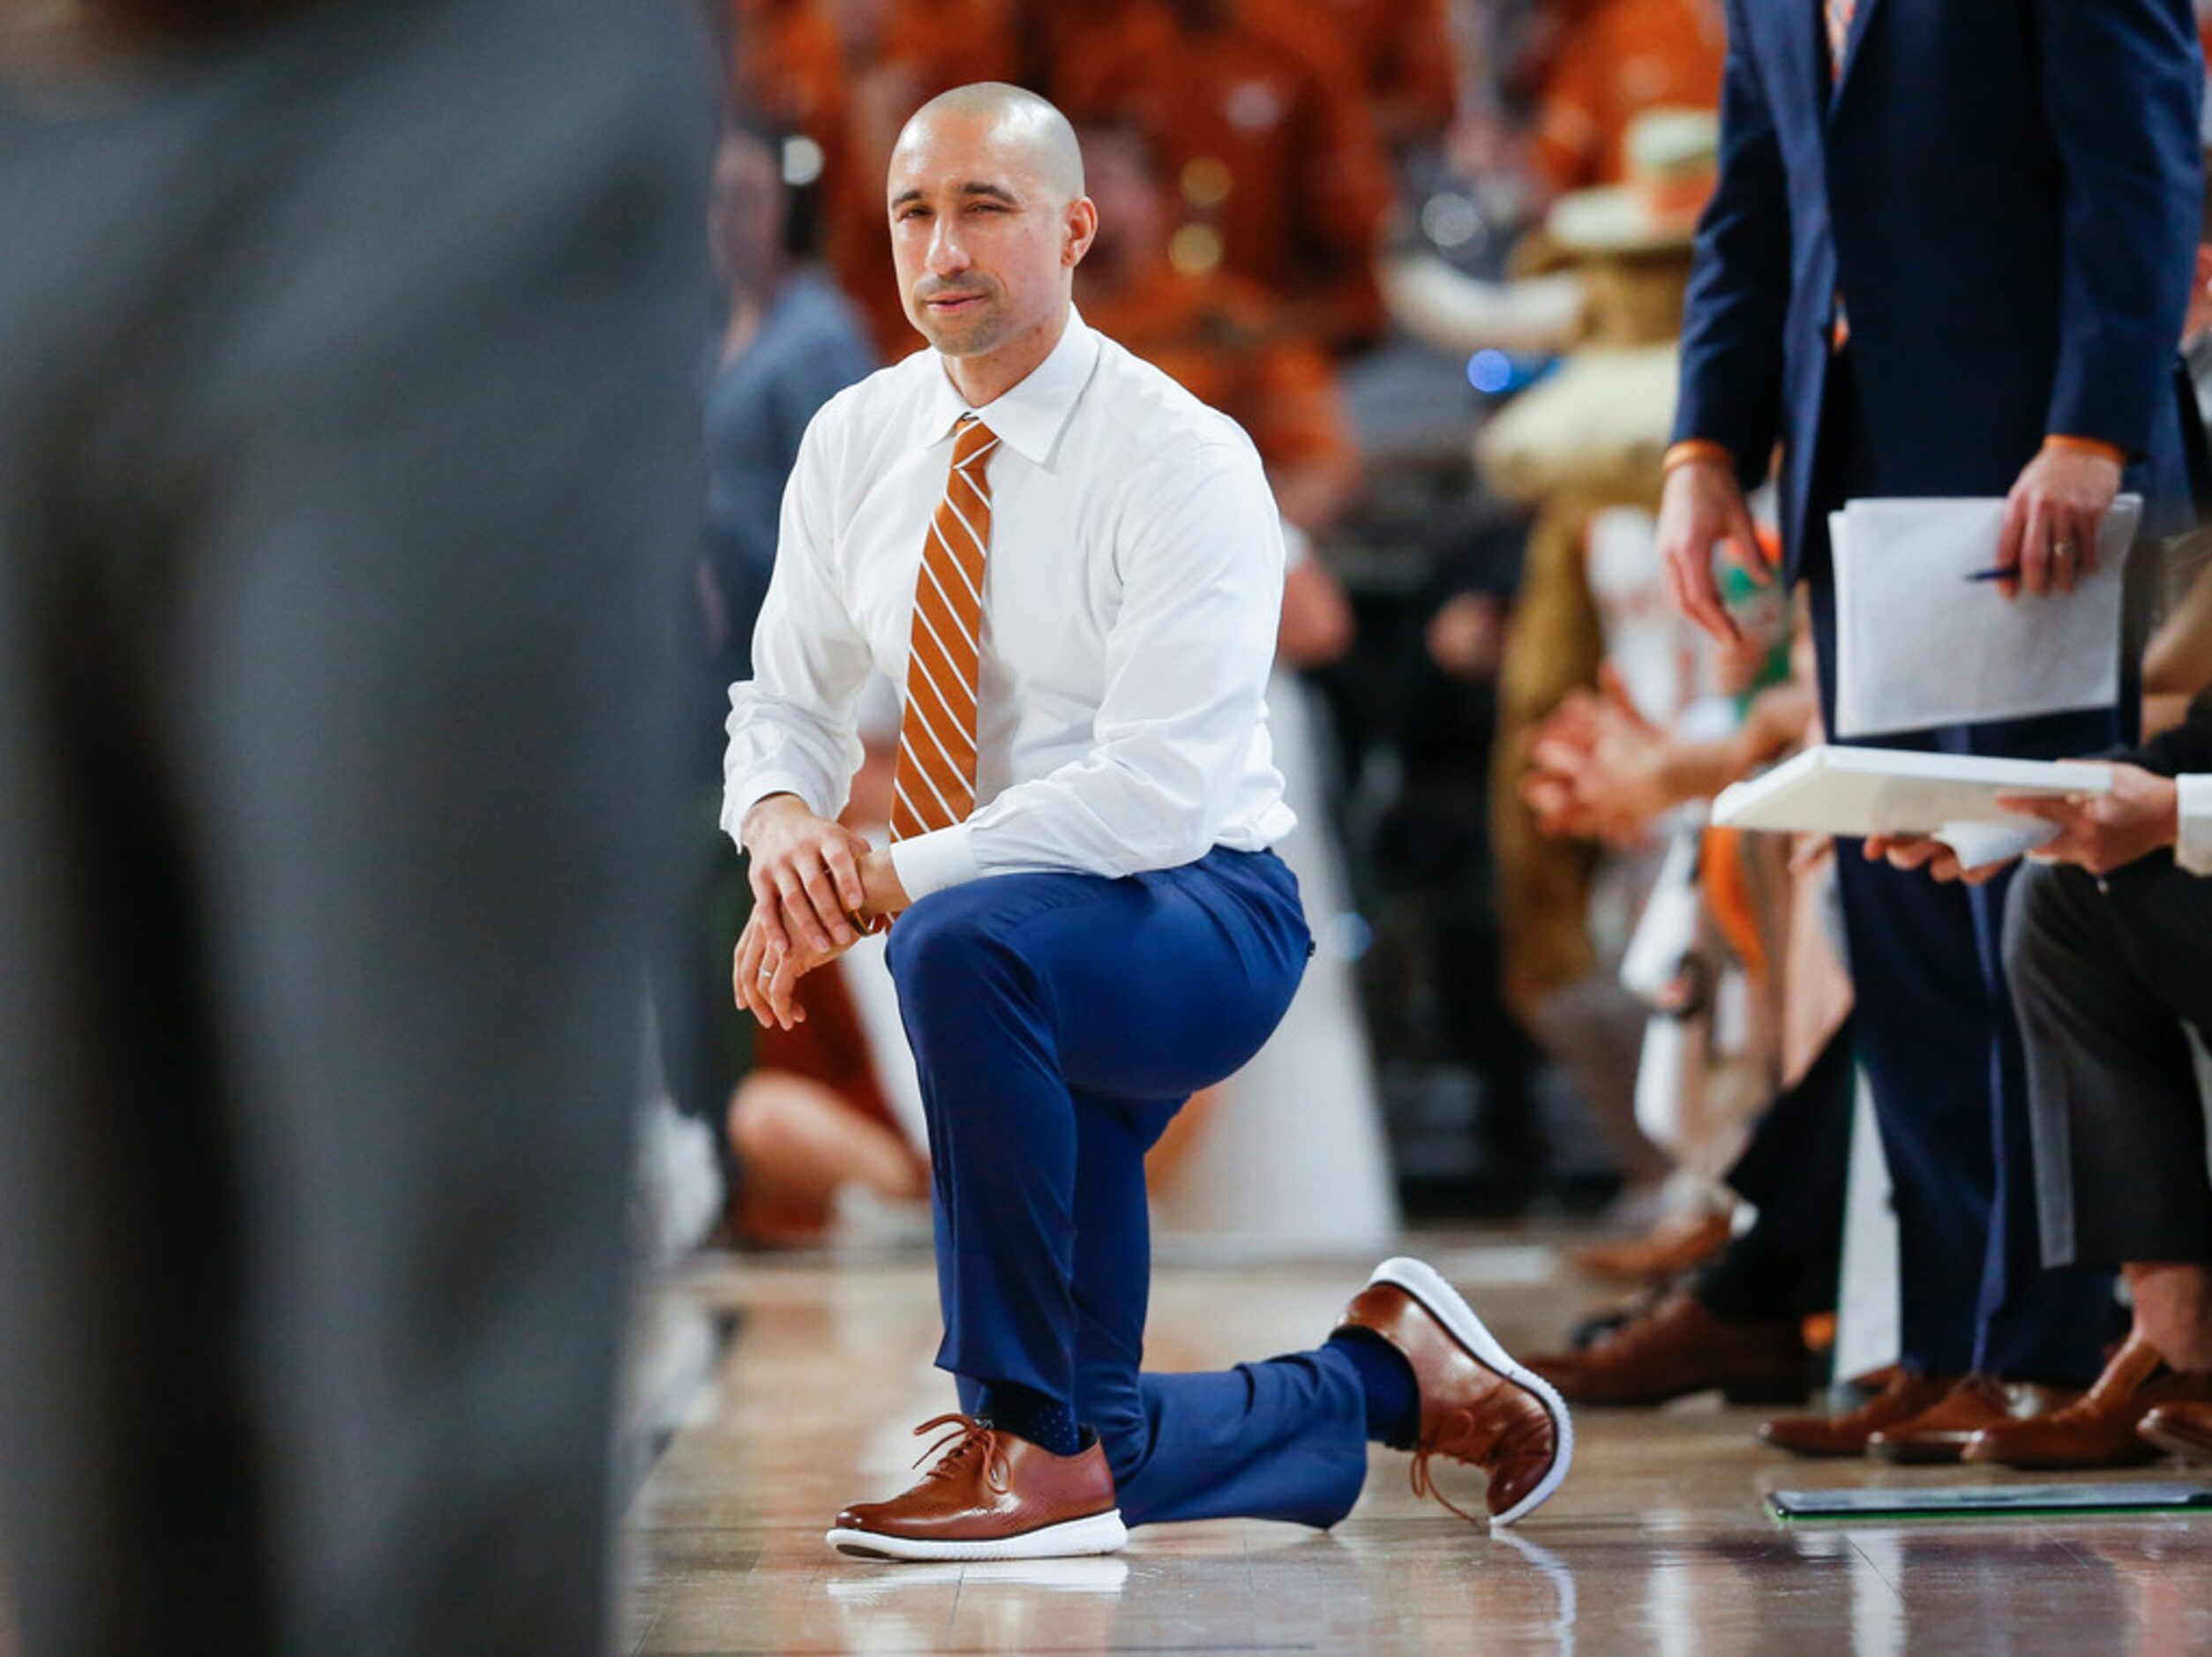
{"points": [[1393, 1396], [1044, 1421]]}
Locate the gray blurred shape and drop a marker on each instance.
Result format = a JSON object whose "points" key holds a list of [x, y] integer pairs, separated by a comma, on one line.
{"points": [[347, 370]]}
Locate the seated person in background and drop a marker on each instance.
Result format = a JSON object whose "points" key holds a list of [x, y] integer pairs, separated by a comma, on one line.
{"points": [[1601, 770], [1736, 1321], [792, 342], [1729, 1316], [1223, 339], [1615, 61], [1218, 334], [2109, 949], [1406, 59], [1281, 178], [847, 75]]}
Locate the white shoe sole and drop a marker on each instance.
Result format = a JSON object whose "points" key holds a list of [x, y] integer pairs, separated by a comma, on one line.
{"points": [[1100, 1533], [1422, 1281]]}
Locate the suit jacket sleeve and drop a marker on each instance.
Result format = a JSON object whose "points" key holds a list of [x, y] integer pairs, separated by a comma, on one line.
{"points": [[1732, 316], [2122, 84]]}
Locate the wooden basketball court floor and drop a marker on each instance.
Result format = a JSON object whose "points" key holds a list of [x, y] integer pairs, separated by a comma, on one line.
{"points": [[1658, 1542]]}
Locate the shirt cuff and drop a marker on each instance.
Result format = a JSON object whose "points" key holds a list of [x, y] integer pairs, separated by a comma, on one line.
{"points": [[942, 858], [1693, 449], [742, 797], [2087, 445], [2193, 844]]}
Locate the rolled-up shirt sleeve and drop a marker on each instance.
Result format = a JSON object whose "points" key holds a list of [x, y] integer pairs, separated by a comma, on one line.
{"points": [[1187, 663], [793, 725]]}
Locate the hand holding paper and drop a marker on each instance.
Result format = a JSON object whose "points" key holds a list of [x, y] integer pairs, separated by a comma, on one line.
{"points": [[1924, 641], [2053, 517]]}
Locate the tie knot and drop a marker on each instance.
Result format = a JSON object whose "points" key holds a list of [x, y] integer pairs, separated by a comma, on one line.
{"points": [[972, 440]]}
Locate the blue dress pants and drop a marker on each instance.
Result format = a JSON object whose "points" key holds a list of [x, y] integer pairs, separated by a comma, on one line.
{"points": [[1059, 1021], [1935, 1034]]}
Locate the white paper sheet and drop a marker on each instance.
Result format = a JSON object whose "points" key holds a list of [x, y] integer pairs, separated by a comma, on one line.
{"points": [[1920, 644], [1977, 844]]}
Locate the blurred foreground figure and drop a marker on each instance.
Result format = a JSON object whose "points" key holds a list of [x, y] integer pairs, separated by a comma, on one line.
{"points": [[346, 361]]}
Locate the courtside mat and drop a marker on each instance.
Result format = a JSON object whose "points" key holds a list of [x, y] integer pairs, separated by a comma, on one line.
{"points": [[1993, 1500]]}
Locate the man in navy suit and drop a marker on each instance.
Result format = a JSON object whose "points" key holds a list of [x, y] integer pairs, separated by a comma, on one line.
{"points": [[1948, 254]]}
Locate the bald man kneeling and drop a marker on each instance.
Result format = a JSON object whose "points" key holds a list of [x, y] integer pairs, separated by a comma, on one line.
{"points": [[1074, 568]]}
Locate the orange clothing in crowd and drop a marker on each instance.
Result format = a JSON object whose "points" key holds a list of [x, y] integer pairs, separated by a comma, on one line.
{"points": [[848, 75], [1280, 176], [1617, 59], [1403, 49], [1055, 36], [1215, 334]]}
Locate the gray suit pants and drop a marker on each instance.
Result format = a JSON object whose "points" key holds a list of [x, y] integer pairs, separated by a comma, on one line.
{"points": [[2104, 975], [344, 399]]}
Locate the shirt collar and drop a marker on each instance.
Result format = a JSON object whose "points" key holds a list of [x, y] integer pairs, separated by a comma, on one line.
{"points": [[1028, 419]]}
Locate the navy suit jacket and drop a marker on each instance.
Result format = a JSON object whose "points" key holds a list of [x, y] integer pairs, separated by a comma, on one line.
{"points": [[2007, 194]]}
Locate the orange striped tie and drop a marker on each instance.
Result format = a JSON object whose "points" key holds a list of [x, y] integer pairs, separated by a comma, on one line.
{"points": [[936, 776]]}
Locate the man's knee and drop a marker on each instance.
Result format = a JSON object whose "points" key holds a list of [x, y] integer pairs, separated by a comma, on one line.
{"points": [[950, 954], [939, 934]]}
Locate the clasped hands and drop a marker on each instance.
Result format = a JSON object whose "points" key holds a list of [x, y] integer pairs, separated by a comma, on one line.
{"points": [[816, 887], [1598, 769]]}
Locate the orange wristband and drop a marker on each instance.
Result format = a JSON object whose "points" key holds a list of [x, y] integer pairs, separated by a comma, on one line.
{"points": [[2087, 446], [1692, 450]]}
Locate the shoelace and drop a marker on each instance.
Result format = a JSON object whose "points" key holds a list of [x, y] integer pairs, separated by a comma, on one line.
{"points": [[968, 1437], [1424, 1482]]}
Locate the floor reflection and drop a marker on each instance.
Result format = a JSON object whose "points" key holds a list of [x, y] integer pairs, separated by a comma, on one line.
{"points": [[1660, 1542]]}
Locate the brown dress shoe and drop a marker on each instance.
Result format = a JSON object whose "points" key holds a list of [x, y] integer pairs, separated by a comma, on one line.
{"points": [[1673, 1246], [1676, 1348], [2098, 1429], [1977, 1405], [1477, 1405], [1901, 1397], [990, 1495], [2179, 1429]]}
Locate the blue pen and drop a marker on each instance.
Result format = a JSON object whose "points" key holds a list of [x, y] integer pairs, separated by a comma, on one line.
{"points": [[1993, 575]]}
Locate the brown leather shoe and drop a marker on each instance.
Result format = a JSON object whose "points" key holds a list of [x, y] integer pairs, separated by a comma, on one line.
{"points": [[1676, 1348], [2098, 1429], [990, 1495], [1901, 1397], [1477, 1405], [2179, 1429], [1673, 1247], [1977, 1404]]}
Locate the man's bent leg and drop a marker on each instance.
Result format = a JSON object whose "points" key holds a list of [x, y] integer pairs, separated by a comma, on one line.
{"points": [[1285, 1439], [1138, 992], [2120, 1132]]}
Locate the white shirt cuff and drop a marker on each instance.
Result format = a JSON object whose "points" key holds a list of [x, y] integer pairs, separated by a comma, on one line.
{"points": [[2193, 846], [931, 862], [744, 796]]}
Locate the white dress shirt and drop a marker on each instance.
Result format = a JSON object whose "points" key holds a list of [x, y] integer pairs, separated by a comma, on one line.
{"points": [[1131, 595], [2193, 846]]}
